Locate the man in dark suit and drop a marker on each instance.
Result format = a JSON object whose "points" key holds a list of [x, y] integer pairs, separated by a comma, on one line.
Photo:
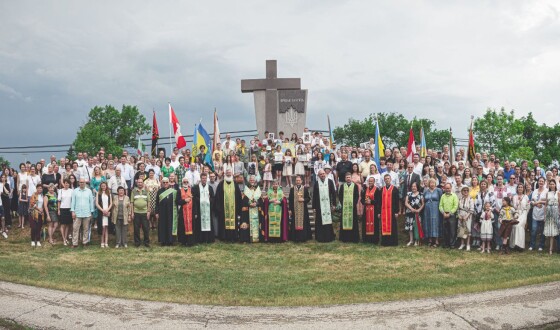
{"points": [[410, 178]]}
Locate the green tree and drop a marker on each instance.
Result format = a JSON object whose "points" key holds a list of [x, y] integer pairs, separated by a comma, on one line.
{"points": [[499, 132], [550, 142], [4, 161], [109, 128], [394, 130]]}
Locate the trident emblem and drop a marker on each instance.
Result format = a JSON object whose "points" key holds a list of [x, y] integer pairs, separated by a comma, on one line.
{"points": [[291, 116]]}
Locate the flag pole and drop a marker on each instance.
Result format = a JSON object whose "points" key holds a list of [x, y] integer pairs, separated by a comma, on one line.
{"points": [[170, 130]]}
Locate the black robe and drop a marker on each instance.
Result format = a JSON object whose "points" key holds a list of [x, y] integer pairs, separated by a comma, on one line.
{"points": [[374, 239], [229, 235], [182, 236], [202, 236], [245, 233], [351, 235], [305, 234], [323, 233], [165, 223], [393, 239]]}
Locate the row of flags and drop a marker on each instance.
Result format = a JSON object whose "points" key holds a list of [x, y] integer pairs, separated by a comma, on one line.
{"points": [[200, 137], [411, 149]]}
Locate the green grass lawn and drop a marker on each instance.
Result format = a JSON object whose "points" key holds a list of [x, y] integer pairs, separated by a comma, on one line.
{"points": [[269, 274]]}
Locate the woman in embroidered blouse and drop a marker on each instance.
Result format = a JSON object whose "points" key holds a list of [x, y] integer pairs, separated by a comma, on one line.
{"points": [[467, 177], [551, 215], [520, 202], [464, 215], [414, 203]]}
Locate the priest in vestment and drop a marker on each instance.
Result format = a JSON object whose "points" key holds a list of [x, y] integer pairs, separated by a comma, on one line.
{"points": [[166, 213], [371, 199], [389, 213], [348, 195], [252, 219], [275, 209], [203, 202], [300, 226], [185, 225], [228, 205], [324, 202]]}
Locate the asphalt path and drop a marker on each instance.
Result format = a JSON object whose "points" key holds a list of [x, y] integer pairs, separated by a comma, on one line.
{"points": [[534, 306]]}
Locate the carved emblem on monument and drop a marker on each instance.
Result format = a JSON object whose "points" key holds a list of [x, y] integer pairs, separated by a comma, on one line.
{"points": [[291, 116]]}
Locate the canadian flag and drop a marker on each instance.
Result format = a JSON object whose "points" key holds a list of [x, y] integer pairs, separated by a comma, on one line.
{"points": [[411, 146], [179, 139]]}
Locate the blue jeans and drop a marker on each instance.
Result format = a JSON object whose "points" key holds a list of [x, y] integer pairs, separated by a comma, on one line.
{"points": [[537, 228]]}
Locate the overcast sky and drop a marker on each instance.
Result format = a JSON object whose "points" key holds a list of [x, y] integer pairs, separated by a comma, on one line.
{"points": [[444, 60]]}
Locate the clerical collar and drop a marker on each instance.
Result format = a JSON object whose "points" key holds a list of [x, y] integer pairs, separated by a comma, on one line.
{"points": [[348, 183], [299, 187], [388, 186]]}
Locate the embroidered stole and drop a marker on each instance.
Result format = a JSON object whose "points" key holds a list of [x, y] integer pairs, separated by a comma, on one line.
{"points": [[370, 211], [298, 207], [229, 205], [348, 207], [274, 213], [253, 195], [387, 211], [325, 202], [204, 208], [187, 211]]}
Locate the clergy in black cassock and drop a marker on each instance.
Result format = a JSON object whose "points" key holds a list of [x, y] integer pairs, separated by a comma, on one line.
{"points": [[203, 210], [348, 195], [251, 227], [389, 213], [166, 213], [300, 227], [324, 201], [228, 206], [371, 199]]}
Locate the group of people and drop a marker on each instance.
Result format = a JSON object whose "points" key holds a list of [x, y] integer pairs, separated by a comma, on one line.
{"points": [[266, 190]]}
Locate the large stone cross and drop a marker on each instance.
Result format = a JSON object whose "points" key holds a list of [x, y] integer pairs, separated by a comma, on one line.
{"points": [[265, 92]]}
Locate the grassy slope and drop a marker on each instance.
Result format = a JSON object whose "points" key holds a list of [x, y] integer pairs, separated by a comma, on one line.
{"points": [[269, 274]]}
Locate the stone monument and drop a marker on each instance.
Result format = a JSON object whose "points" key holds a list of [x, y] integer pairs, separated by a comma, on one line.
{"points": [[280, 103]]}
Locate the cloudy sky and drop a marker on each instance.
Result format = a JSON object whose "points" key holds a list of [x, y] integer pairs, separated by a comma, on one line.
{"points": [[443, 60]]}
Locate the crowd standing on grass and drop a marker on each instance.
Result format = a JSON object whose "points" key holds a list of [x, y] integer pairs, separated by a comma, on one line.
{"points": [[264, 191]]}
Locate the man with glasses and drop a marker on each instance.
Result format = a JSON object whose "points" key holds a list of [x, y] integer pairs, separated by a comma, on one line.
{"points": [[82, 209]]}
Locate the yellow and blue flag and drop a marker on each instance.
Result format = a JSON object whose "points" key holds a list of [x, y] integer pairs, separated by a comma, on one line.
{"points": [[423, 149], [379, 147], [203, 139]]}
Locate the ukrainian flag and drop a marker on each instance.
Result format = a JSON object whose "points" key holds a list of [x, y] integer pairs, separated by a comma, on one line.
{"points": [[202, 138], [423, 150], [379, 147]]}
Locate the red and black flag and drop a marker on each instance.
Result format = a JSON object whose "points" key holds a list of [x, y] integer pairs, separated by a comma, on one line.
{"points": [[472, 152], [155, 135]]}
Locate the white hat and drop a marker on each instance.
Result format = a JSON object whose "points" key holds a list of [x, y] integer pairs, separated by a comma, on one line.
{"points": [[327, 167]]}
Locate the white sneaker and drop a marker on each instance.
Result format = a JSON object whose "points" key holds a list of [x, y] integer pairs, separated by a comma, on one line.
{"points": [[497, 248], [5, 235], [410, 243], [38, 243], [125, 245], [468, 247], [461, 247], [117, 246], [540, 249], [530, 249], [33, 243]]}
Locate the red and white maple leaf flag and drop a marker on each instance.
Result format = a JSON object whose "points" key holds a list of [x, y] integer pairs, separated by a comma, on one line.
{"points": [[411, 147], [179, 139]]}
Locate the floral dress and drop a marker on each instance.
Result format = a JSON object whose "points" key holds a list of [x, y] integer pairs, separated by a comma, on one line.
{"points": [[410, 217]]}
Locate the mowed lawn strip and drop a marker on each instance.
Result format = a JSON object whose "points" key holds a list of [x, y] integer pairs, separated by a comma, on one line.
{"points": [[285, 274]]}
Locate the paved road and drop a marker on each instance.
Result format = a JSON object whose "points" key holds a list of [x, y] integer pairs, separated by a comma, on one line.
{"points": [[519, 308]]}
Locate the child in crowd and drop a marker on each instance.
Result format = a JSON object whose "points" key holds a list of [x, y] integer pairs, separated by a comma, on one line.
{"points": [[486, 219]]}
